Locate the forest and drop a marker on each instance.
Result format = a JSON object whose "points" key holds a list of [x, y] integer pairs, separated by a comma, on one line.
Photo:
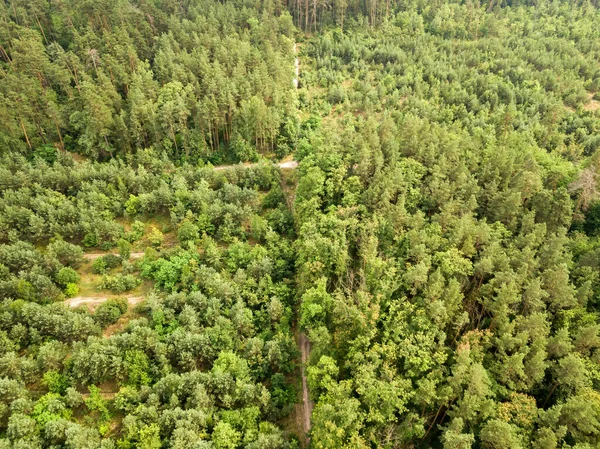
{"points": [[255, 224]]}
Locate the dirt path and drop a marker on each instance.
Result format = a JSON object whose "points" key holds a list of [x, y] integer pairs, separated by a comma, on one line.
{"points": [[307, 405], [287, 164], [94, 256], [296, 66], [93, 301]]}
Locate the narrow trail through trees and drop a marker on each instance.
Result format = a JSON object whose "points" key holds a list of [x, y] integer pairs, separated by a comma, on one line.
{"points": [[94, 256], [303, 341], [307, 404], [93, 301], [286, 164], [296, 66]]}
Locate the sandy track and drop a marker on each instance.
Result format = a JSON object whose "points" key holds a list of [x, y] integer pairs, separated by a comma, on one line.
{"points": [[94, 256], [93, 301], [287, 164]]}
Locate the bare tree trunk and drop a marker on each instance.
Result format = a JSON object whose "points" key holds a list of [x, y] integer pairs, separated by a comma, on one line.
{"points": [[174, 139], [25, 132], [433, 422], [41, 28], [306, 17], [6, 56]]}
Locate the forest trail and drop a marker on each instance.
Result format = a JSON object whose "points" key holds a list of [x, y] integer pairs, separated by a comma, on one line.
{"points": [[286, 164], [307, 405], [93, 301], [296, 66], [94, 256]]}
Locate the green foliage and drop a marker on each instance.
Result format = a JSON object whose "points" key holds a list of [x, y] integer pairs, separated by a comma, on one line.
{"points": [[55, 382], [283, 394], [124, 249], [136, 232], [225, 437], [441, 254], [441, 284], [155, 237], [137, 365], [132, 205], [67, 275], [95, 404], [46, 153], [110, 311], [67, 253], [120, 283], [71, 290], [99, 266], [49, 407], [103, 264], [188, 232]]}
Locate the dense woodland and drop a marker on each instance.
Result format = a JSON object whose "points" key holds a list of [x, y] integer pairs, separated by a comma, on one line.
{"points": [[439, 243], [199, 81]]}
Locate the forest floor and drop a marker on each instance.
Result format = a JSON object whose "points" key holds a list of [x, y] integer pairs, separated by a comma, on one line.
{"points": [[592, 105], [108, 390]]}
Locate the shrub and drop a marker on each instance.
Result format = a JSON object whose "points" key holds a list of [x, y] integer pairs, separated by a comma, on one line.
{"points": [[110, 311], [258, 227], [156, 238], [71, 290], [67, 275], [336, 95], [47, 153], [67, 253], [99, 266], [132, 205], [274, 198], [112, 261], [105, 263], [55, 382], [90, 240], [243, 150], [188, 231], [124, 248], [120, 283], [136, 232]]}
